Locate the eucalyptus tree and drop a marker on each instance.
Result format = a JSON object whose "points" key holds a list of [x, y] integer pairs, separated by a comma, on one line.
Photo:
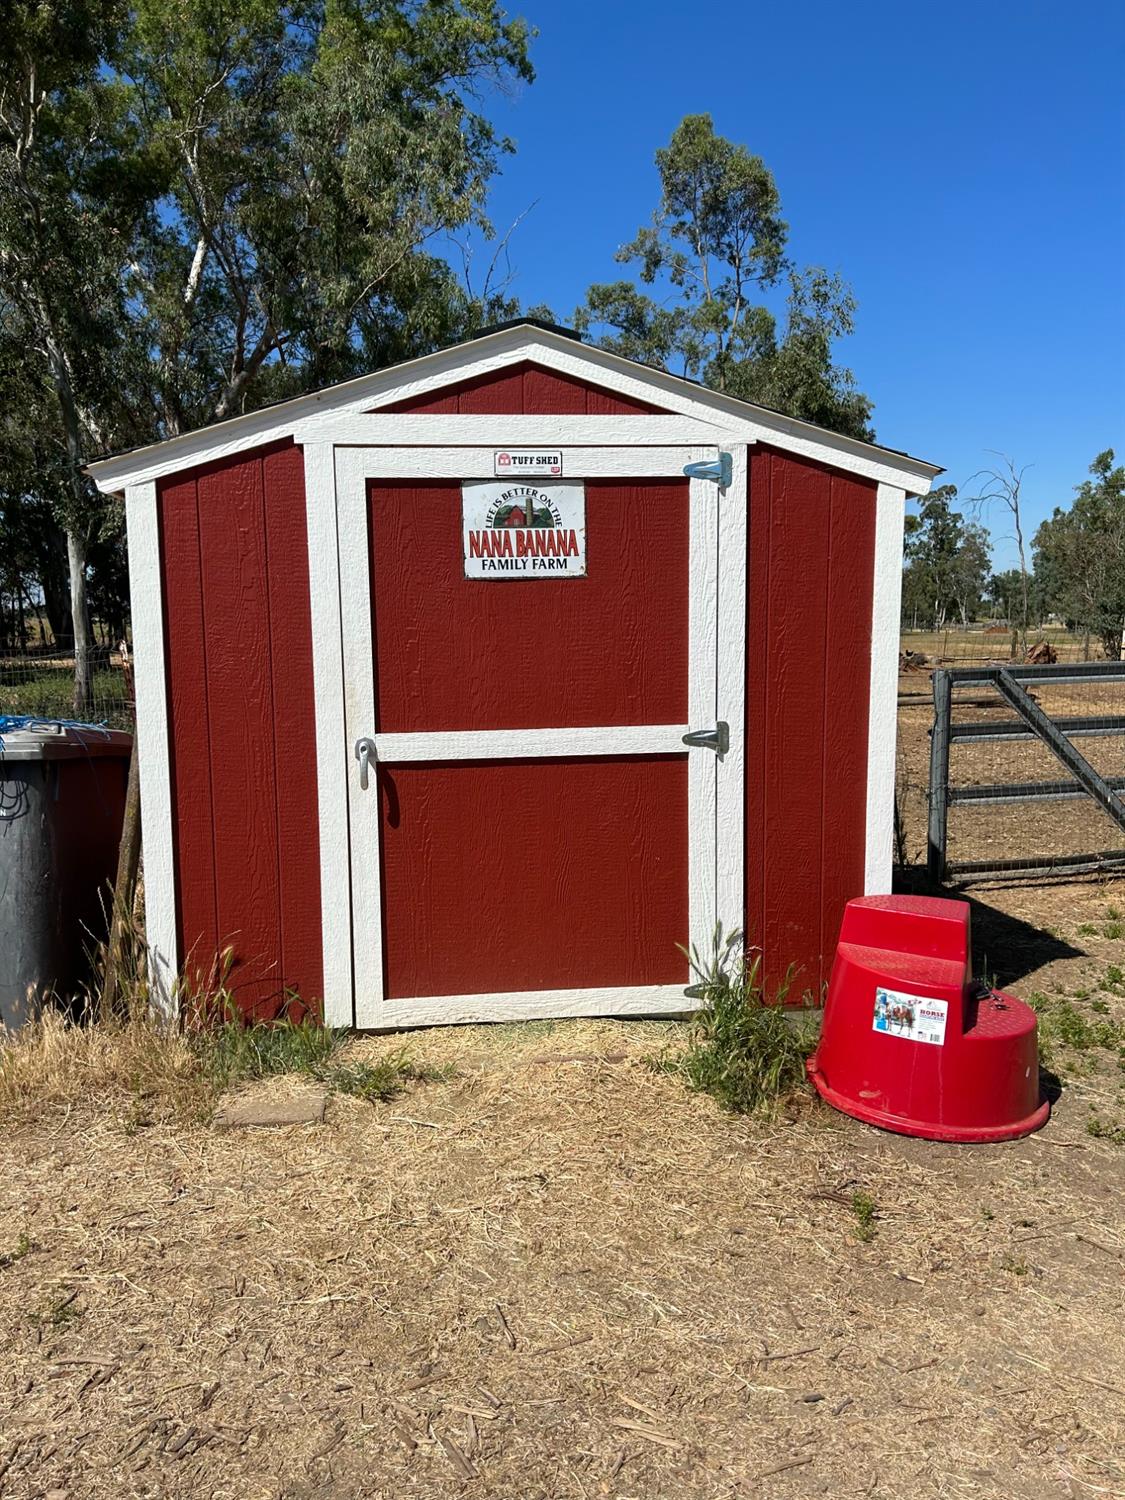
{"points": [[715, 249], [320, 151], [1080, 555], [77, 187], [946, 561], [205, 207]]}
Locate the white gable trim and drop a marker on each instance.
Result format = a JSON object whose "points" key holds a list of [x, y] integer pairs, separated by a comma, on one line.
{"points": [[738, 421]]}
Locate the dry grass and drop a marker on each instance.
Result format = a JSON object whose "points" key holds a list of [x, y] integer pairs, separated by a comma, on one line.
{"points": [[557, 1274], [113, 1065]]}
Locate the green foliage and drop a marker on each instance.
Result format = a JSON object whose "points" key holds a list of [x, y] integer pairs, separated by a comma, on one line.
{"points": [[947, 562], [314, 151], [1080, 554], [233, 1052], [58, 1314], [1004, 596], [866, 1212], [21, 1248], [744, 1051], [383, 1080], [1103, 1131], [230, 1051], [50, 695], [716, 243], [205, 207], [1063, 1025]]}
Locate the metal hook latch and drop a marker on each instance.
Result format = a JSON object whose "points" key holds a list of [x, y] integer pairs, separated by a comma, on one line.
{"points": [[365, 754], [717, 739]]}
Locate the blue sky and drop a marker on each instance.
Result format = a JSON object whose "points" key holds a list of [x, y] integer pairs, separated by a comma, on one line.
{"points": [[963, 167]]}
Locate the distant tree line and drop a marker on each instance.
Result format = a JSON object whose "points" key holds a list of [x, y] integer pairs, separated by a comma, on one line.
{"points": [[1076, 575]]}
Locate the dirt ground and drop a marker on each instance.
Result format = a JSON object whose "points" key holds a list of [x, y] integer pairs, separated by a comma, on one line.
{"points": [[557, 1274]]}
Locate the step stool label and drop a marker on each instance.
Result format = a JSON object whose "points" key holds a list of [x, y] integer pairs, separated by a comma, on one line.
{"points": [[915, 1017]]}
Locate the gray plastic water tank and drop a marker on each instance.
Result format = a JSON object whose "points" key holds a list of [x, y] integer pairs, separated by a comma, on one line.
{"points": [[62, 796]]}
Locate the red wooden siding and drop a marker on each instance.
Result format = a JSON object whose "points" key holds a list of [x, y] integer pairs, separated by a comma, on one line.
{"points": [[524, 390], [454, 653], [474, 903], [239, 666], [811, 568], [471, 903]]}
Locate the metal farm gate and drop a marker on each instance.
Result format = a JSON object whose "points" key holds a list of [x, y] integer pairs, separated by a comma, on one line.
{"points": [[1001, 735]]}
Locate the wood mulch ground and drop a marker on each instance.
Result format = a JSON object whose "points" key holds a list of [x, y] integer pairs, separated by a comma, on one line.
{"points": [[556, 1274]]}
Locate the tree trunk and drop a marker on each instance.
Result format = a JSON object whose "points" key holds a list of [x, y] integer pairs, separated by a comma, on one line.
{"points": [[76, 529], [1023, 573], [52, 569], [83, 674]]}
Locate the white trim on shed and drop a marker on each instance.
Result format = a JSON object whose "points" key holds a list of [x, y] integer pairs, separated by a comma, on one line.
{"points": [[346, 440], [493, 352]]}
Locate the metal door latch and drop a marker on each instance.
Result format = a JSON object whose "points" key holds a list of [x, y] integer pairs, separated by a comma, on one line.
{"points": [[717, 739], [365, 754], [718, 469]]}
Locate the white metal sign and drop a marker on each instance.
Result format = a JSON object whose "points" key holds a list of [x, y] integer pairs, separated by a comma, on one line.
{"points": [[545, 463], [916, 1017], [516, 530]]}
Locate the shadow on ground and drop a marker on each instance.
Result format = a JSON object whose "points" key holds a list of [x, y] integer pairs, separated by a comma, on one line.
{"points": [[1005, 947]]}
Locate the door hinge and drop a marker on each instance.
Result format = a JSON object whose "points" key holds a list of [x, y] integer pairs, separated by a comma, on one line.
{"points": [[717, 469], [717, 739]]}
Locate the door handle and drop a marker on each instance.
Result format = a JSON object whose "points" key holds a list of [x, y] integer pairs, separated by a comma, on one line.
{"points": [[365, 754], [717, 739]]}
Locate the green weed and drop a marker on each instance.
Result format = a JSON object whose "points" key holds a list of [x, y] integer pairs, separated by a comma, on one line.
{"points": [[1015, 1264], [21, 1248], [232, 1051], [58, 1314], [1102, 1130], [866, 1212], [382, 1080], [1062, 1024], [742, 1049]]}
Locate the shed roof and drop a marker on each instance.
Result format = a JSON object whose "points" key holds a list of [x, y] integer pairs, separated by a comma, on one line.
{"points": [[523, 339]]}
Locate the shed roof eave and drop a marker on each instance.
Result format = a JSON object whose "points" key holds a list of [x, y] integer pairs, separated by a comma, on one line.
{"points": [[541, 344]]}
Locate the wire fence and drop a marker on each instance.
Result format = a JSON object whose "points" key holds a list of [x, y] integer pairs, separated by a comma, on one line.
{"points": [[41, 684], [982, 644]]}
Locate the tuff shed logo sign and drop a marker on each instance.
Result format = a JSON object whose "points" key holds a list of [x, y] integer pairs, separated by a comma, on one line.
{"points": [[507, 462], [524, 530]]}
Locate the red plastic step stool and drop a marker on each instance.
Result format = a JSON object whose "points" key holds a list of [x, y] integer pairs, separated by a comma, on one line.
{"points": [[910, 1042]]}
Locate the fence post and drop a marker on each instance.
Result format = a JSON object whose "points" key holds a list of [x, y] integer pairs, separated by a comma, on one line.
{"points": [[939, 776]]}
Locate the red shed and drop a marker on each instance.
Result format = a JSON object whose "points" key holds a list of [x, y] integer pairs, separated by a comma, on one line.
{"points": [[416, 657]]}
